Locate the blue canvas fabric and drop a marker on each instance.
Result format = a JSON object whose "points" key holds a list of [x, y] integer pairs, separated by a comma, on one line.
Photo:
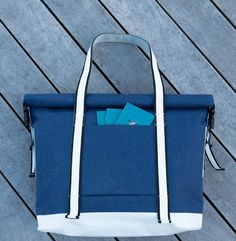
{"points": [[118, 167]]}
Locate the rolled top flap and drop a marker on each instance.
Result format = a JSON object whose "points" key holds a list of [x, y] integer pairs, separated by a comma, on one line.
{"points": [[118, 100]]}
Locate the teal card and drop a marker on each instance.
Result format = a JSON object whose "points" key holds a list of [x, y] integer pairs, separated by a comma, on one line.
{"points": [[112, 115], [101, 118], [133, 115]]}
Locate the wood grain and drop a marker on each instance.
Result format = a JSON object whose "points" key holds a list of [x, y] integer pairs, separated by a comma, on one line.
{"points": [[16, 222], [18, 74], [124, 65], [212, 230], [228, 7], [209, 30], [49, 45], [220, 186]]}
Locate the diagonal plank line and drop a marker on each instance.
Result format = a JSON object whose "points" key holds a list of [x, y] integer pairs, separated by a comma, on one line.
{"points": [[224, 147], [21, 198], [178, 238], [85, 52], [5, 178], [222, 12], [169, 82], [220, 213], [27, 53], [125, 30], [14, 111], [80, 46], [196, 46], [113, 16]]}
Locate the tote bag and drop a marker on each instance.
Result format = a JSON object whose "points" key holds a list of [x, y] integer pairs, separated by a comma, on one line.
{"points": [[118, 180]]}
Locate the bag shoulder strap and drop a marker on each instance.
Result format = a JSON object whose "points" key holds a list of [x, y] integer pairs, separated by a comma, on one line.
{"points": [[163, 212]]}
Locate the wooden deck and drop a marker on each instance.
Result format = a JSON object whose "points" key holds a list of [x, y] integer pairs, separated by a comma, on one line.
{"points": [[42, 50]]}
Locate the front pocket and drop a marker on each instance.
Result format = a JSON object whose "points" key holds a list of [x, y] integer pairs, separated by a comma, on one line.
{"points": [[118, 160]]}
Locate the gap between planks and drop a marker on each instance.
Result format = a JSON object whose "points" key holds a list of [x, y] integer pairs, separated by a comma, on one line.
{"points": [[222, 13], [196, 46], [18, 195]]}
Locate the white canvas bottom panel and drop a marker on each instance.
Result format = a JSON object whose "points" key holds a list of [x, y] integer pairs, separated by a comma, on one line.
{"points": [[119, 224]]}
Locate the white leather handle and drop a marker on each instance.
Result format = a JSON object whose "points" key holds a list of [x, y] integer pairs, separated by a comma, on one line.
{"points": [[163, 213]]}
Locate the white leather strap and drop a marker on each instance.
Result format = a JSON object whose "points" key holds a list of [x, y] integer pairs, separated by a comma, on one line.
{"points": [[32, 146], [163, 212], [210, 155]]}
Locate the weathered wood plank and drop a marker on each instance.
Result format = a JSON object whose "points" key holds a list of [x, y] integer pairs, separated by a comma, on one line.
{"points": [[214, 232], [220, 186], [61, 9], [94, 20], [228, 7], [16, 222], [18, 74], [54, 51], [15, 155], [179, 60], [209, 30]]}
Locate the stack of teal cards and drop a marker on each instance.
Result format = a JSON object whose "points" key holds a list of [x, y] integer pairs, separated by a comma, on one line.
{"points": [[108, 117], [129, 115]]}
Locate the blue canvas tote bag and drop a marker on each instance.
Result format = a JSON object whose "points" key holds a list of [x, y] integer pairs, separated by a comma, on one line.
{"points": [[118, 180]]}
